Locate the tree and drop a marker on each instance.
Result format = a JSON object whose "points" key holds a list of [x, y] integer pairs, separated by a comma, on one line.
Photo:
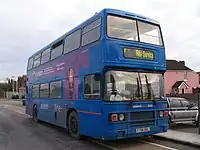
{"points": [[9, 81]]}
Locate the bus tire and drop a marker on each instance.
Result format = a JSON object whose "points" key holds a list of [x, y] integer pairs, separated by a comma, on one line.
{"points": [[35, 114], [73, 125]]}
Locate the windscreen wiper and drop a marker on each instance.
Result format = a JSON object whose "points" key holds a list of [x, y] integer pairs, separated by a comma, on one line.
{"points": [[140, 85], [138, 89], [148, 87]]}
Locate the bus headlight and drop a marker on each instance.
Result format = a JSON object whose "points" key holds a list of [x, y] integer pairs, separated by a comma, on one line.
{"points": [[121, 117]]}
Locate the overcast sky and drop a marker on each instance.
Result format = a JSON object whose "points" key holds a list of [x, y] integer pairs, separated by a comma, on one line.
{"points": [[28, 25]]}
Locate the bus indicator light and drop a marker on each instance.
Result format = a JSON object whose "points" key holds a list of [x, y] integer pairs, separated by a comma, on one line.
{"points": [[114, 117]]}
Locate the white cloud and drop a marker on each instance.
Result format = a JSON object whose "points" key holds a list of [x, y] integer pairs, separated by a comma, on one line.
{"points": [[27, 26]]}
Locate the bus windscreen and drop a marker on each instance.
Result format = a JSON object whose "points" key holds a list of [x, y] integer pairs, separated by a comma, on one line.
{"points": [[128, 86]]}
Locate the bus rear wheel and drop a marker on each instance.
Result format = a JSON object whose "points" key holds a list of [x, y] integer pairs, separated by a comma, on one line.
{"points": [[73, 125], [35, 114]]}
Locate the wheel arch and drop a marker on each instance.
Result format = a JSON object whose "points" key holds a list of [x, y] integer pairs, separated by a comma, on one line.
{"points": [[68, 112]]}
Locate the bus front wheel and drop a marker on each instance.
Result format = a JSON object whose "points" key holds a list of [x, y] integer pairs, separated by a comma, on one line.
{"points": [[73, 125]]}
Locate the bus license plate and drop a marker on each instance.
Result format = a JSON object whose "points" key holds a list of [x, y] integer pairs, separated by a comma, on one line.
{"points": [[139, 130]]}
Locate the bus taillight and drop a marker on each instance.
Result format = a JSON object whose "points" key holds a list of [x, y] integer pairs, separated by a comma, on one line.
{"points": [[163, 114]]}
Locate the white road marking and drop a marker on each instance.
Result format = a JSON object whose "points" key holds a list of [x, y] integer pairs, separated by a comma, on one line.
{"points": [[155, 144], [105, 145]]}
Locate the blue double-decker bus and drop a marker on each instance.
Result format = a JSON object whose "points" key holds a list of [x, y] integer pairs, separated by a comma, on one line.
{"points": [[102, 79]]}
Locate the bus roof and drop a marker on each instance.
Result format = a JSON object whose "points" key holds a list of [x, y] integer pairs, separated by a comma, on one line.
{"points": [[106, 10], [129, 14]]}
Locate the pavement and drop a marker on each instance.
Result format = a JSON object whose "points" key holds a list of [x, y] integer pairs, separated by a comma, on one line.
{"points": [[20, 132], [192, 139], [188, 128]]}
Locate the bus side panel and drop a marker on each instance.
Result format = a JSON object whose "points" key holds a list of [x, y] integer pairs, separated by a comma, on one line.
{"points": [[90, 117], [44, 109]]}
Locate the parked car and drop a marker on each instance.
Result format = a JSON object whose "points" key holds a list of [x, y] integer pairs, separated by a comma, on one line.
{"points": [[181, 111], [15, 96]]}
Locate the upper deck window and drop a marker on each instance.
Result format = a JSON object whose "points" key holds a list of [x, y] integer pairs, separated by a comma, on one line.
{"points": [[126, 29], [45, 56], [72, 41], [57, 50], [37, 59], [91, 32], [122, 28], [149, 33], [30, 63]]}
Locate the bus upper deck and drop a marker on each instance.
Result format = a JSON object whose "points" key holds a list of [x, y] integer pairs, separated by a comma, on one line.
{"points": [[125, 39]]}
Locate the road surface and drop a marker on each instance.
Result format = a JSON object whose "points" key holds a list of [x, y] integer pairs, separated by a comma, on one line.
{"points": [[19, 132]]}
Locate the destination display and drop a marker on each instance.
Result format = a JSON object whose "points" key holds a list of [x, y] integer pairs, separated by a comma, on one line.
{"points": [[138, 54]]}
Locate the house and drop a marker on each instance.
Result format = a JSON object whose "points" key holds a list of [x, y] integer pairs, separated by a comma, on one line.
{"points": [[180, 79], [21, 88], [199, 76]]}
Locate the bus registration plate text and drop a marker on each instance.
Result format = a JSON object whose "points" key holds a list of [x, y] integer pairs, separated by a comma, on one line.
{"points": [[139, 130]]}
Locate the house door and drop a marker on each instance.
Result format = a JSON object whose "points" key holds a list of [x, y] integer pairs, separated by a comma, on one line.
{"points": [[183, 91]]}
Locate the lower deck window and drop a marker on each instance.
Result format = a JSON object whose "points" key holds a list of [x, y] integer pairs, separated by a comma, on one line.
{"points": [[92, 86], [35, 91], [44, 90], [55, 89]]}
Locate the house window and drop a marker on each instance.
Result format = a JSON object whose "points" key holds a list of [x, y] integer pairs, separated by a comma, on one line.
{"points": [[185, 75], [92, 86]]}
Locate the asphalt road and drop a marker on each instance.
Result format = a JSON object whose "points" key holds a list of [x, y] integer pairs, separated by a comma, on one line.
{"points": [[19, 132]]}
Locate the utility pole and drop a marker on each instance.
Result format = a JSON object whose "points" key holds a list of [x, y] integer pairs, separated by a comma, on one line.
{"points": [[13, 84], [17, 85]]}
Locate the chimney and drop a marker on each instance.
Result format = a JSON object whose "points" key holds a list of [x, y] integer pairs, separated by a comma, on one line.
{"points": [[182, 62]]}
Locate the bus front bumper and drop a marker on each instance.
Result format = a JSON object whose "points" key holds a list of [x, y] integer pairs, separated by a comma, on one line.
{"points": [[130, 133]]}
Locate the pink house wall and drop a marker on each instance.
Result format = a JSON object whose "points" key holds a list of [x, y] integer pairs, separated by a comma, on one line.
{"points": [[171, 76]]}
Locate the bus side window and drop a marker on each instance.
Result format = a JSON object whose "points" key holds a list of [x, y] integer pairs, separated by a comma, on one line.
{"points": [[35, 91], [92, 86]]}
